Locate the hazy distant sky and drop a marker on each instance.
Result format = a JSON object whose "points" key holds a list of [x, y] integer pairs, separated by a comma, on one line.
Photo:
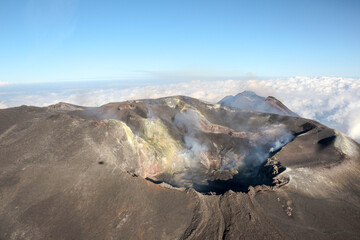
{"points": [[59, 40]]}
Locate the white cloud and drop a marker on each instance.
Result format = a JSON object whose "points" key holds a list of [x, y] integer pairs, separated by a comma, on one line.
{"points": [[333, 101], [3, 83], [330, 100], [2, 105]]}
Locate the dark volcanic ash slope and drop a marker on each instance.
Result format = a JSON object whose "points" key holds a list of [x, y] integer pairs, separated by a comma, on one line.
{"points": [[249, 100], [174, 168]]}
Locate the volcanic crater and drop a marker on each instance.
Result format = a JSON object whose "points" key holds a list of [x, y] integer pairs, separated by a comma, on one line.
{"points": [[190, 144], [174, 168]]}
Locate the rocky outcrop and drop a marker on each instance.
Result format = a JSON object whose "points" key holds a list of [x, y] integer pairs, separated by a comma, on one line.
{"points": [[248, 100]]}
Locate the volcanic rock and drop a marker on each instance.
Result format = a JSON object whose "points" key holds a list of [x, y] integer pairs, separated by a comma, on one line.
{"points": [[249, 100], [174, 168]]}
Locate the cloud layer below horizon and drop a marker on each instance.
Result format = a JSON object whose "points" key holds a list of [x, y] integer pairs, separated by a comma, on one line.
{"points": [[333, 101]]}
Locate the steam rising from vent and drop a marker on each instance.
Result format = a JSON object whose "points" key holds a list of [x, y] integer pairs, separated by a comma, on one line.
{"points": [[249, 149], [150, 113], [275, 138], [192, 145], [195, 146], [196, 149], [279, 143]]}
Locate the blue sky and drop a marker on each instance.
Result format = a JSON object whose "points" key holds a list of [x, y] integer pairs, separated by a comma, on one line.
{"points": [[56, 41]]}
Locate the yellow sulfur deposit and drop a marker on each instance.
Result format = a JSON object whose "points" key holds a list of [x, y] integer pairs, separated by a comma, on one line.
{"points": [[158, 152], [167, 149], [128, 132]]}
